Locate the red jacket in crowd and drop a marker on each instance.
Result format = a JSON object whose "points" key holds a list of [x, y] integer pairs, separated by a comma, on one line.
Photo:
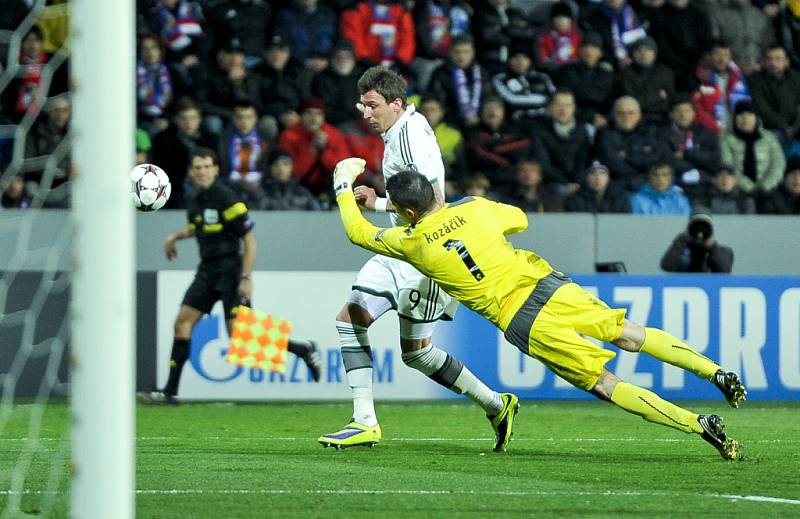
{"points": [[381, 33], [313, 167]]}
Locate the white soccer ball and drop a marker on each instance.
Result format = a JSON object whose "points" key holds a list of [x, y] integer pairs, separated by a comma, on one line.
{"points": [[150, 187]]}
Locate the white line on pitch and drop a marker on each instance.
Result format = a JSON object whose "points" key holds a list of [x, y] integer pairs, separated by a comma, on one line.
{"points": [[303, 439], [422, 492]]}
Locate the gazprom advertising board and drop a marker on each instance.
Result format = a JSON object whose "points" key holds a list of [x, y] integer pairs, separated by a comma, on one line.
{"points": [[749, 324]]}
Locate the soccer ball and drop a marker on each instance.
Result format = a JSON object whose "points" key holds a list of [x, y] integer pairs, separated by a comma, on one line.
{"points": [[150, 187]]}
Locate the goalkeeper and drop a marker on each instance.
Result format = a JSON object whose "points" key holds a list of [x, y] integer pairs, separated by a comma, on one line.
{"points": [[463, 248], [221, 224]]}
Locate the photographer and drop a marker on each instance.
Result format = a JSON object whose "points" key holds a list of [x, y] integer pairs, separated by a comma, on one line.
{"points": [[696, 249]]}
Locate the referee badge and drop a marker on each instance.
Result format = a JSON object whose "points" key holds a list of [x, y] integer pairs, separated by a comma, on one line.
{"points": [[211, 216]]}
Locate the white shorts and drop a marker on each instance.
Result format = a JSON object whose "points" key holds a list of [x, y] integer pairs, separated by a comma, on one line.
{"points": [[403, 288]]}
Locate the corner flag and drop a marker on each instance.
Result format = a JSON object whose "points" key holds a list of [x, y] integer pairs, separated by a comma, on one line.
{"points": [[259, 340]]}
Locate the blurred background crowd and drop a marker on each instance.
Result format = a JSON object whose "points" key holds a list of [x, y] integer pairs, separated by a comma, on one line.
{"points": [[642, 106]]}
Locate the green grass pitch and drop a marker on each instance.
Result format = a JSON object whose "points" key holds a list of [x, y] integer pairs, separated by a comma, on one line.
{"points": [[568, 459]]}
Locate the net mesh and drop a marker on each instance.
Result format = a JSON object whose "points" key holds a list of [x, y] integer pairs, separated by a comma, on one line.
{"points": [[34, 269]]}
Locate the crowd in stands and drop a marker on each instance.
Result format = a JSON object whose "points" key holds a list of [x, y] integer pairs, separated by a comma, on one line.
{"points": [[642, 106]]}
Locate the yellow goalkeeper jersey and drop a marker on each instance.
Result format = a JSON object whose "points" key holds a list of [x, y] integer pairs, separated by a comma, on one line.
{"points": [[462, 247]]}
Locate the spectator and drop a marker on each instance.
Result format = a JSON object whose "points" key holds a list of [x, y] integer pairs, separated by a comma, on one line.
{"points": [[651, 83], [682, 32], [696, 249], [660, 195], [591, 81], [280, 82], [436, 23], [629, 147], [173, 147], [153, 86], [598, 194], [225, 84], [461, 84], [244, 152], [724, 196], [281, 190], [525, 91], [772, 10], [617, 24], [46, 141], [559, 43], [179, 22], [776, 95], [432, 27], [528, 193], [695, 148], [338, 88], [25, 90], [789, 32], [563, 144], [381, 31], [496, 144], [785, 199], [315, 147], [744, 27], [722, 85], [499, 25], [450, 140], [476, 184], [308, 28], [755, 153], [15, 194], [249, 21]]}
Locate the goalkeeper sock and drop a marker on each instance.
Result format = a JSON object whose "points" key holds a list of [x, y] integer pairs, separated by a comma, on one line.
{"points": [[299, 348], [667, 348], [653, 408], [448, 371], [357, 359], [180, 353]]}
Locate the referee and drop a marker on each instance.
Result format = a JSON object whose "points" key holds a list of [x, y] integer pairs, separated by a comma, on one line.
{"points": [[222, 226]]}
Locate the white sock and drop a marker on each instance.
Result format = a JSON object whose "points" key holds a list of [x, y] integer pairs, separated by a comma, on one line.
{"points": [[448, 371], [357, 359]]}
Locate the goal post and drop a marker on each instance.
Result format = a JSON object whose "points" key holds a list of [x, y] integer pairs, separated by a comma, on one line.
{"points": [[103, 298]]}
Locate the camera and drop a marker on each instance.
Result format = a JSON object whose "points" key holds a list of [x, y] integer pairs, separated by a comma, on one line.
{"points": [[700, 229]]}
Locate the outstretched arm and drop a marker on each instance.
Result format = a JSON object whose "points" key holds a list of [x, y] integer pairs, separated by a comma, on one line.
{"points": [[169, 243], [358, 229], [248, 262]]}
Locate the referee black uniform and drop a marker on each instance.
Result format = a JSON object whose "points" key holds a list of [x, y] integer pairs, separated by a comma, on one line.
{"points": [[219, 219]]}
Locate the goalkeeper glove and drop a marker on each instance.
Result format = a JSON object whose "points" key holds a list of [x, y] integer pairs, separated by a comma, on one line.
{"points": [[346, 172]]}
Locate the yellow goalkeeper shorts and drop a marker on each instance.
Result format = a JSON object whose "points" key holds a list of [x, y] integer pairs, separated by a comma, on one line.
{"points": [[554, 338]]}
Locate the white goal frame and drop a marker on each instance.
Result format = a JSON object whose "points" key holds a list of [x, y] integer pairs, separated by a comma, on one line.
{"points": [[103, 299]]}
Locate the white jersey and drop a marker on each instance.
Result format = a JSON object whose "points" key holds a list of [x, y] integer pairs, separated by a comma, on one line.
{"points": [[384, 283], [411, 144]]}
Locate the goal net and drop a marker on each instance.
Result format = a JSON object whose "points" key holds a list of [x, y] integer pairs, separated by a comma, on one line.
{"points": [[66, 259]]}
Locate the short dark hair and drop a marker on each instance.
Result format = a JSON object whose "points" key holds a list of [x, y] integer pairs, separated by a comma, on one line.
{"points": [[243, 102], [383, 81], [563, 91], [411, 189], [203, 153], [719, 43], [36, 31], [681, 99], [773, 46], [185, 103]]}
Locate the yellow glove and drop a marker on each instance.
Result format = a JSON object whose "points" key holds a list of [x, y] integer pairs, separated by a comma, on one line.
{"points": [[346, 172]]}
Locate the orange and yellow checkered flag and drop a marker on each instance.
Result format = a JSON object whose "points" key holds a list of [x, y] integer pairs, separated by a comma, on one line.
{"points": [[259, 340]]}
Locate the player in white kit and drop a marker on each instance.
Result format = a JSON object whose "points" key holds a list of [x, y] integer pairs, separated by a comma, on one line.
{"points": [[384, 283]]}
